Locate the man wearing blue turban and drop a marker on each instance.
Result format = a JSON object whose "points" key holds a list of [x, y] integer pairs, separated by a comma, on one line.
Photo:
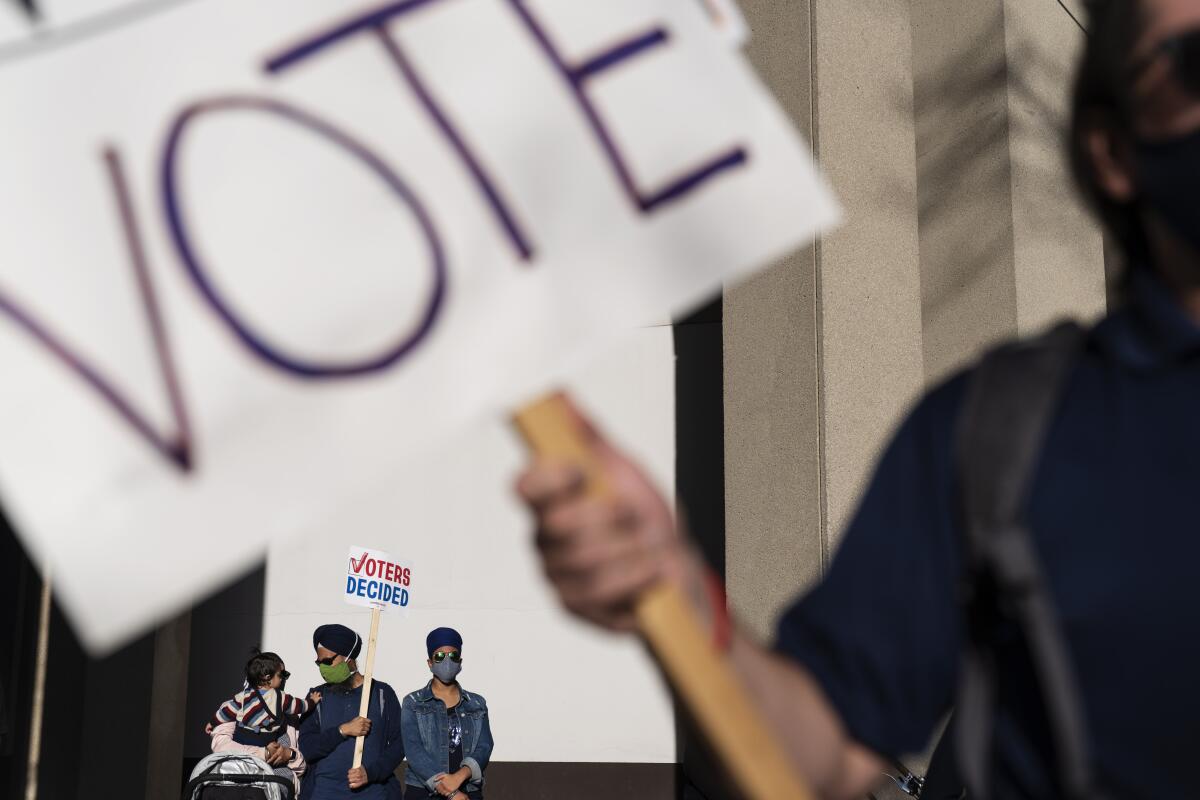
{"points": [[327, 736]]}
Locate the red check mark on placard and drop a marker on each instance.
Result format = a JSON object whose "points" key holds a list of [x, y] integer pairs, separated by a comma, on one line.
{"points": [[356, 567]]}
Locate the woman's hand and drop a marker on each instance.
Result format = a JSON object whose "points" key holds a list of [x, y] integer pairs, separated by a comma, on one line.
{"points": [[601, 552], [277, 754], [357, 777], [447, 784], [359, 726]]}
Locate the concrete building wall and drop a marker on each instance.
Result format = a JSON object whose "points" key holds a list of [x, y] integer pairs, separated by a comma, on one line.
{"points": [[960, 91], [1005, 246], [1058, 250], [773, 492], [823, 351], [868, 269], [940, 125]]}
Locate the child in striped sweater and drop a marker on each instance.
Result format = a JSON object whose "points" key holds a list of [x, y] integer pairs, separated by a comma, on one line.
{"points": [[260, 710]]}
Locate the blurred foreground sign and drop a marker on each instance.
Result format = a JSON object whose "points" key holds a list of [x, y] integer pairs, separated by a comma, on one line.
{"points": [[253, 256]]}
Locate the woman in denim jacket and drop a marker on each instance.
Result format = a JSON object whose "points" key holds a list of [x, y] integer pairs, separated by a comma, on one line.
{"points": [[447, 736]]}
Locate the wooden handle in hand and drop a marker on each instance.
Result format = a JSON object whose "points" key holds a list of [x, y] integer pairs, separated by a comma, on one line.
{"points": [[703, 680], [364, 705]]}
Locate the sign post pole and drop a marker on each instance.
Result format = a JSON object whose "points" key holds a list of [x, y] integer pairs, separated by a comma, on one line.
{"points": [[366, 687], [39, 691]]}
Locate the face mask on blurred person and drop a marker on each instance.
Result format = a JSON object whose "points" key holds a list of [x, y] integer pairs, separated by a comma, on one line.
{"points": [[446, 671], [1168, 177]]}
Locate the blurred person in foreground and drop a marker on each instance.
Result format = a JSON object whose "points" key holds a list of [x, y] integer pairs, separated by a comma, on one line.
{"points": [[865, 666], [328, 734]]}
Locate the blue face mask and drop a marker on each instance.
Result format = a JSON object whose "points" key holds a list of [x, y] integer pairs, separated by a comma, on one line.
{"points": [[1168, 177]]}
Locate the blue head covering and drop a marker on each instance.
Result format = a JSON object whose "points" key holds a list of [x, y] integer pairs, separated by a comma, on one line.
{"points": [[441, 637], [338, 639]]}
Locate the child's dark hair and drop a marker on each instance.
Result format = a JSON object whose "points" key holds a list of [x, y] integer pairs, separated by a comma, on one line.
{"points": [[262, 667]]}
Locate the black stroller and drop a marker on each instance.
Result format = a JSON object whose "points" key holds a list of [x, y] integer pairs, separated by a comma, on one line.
{"points": [[236, 776]]}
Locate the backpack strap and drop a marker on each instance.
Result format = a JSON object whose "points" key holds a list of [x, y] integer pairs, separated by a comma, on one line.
{"points": [[277, 715], [1011, 401]]}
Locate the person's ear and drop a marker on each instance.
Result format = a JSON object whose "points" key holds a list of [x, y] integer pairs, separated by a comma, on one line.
{"points": [[1111, 161]]}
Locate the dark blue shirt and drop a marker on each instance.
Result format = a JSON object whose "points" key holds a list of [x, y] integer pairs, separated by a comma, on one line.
{"points": [[1115, 516], [329, 754]]}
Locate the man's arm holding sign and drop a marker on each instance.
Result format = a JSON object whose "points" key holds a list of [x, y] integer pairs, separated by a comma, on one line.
{"points": [[602, 553], [393, 743], [315, 743]]}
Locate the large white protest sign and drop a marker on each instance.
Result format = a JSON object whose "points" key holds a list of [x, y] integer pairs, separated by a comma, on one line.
{"points": [[254, 256]]}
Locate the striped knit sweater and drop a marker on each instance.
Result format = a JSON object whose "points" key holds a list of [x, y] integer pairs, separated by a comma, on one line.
{"points": [[247, 709]]}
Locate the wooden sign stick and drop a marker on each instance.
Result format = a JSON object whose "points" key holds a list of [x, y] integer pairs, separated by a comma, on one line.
{"points": [[39, 690], [364, 705], [702, 679]]}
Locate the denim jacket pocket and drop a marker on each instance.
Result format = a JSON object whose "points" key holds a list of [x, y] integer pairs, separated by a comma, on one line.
{"points": [[472, 724], [427, 724]]}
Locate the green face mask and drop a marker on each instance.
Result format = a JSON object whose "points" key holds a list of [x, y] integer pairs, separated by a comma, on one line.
{"points": [[335, 673]]}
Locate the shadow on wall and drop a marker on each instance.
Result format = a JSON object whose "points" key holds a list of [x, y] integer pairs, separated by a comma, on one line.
{"points": [[991, 102], [84, 695], [224, 628]]}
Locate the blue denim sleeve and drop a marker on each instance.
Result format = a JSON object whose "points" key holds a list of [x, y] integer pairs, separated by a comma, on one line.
{"points": [[881, 634], [479, 756], [420, 762], [393, 743]]}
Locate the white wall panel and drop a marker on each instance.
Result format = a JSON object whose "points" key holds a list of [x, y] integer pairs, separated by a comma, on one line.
{"points": [[557, 691]]}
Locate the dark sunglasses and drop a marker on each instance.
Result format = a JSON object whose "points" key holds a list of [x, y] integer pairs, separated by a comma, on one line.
{"points": [[327, 662], [440, 656], [284, 675], [1183, 51]]}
